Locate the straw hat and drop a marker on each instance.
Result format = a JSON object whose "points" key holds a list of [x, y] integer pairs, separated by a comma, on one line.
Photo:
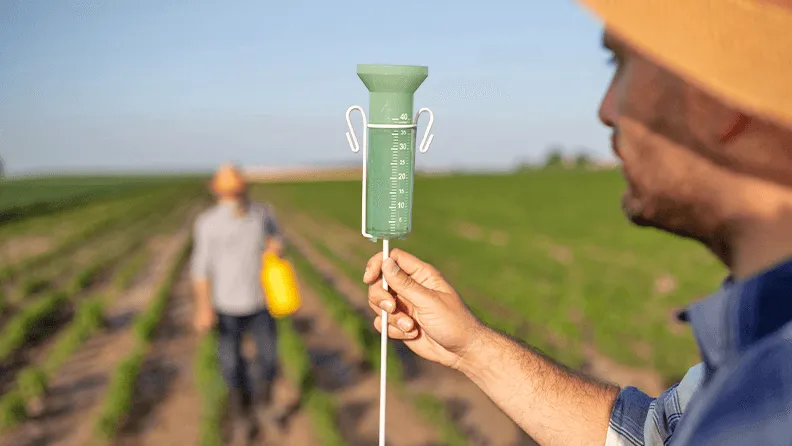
{"points": [[228, 181], [738, 50]]}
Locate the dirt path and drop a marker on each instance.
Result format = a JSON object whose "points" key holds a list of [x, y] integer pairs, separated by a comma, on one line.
{"points": [[349, 246], [41, 340], [336, 365], [70, 406], [166, 406], [297, 428], [484, 423]]}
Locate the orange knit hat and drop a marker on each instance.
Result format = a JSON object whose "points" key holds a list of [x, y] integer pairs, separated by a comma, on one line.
{"points": [[738, 50], [228, 181]]}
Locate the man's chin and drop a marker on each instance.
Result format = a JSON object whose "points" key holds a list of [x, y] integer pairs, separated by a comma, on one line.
{"points": [[634, 212], [632, 209]]}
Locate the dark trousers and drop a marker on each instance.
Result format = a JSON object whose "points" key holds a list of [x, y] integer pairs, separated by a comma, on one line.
{"points": [[262, 329]]}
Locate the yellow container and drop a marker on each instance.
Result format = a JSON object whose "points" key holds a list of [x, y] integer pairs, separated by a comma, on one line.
{"points": [[280, 286]]}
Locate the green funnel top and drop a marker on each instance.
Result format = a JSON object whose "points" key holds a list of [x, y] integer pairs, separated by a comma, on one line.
{"points": [[392, 78]]}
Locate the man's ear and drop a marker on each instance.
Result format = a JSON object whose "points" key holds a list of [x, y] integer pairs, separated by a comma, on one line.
{"points": [[736, 125]]}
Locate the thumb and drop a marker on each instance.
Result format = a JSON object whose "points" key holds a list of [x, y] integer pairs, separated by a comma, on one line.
{"points": [[404, 285]]}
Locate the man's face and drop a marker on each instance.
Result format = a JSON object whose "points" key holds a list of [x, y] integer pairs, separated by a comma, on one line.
{"points": [[660, 132]]}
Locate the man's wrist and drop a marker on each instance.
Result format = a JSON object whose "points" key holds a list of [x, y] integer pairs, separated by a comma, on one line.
{"points": [[477, 357]]}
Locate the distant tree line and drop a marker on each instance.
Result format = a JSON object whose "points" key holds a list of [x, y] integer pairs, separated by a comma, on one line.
{"points": [[555, 158]]}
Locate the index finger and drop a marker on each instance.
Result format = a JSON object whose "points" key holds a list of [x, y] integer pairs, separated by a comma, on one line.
{"points": [[419, 270]]}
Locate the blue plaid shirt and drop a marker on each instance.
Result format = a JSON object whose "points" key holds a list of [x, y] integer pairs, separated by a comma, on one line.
{"points": [[741, 393]]}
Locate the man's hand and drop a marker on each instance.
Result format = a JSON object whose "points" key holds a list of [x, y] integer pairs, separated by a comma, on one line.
{"points": [[554, 406], [275, 246], [204, 320], [423, 309]]}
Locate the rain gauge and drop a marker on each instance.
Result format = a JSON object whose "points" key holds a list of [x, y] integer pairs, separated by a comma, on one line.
{"points": [[388, 149]]}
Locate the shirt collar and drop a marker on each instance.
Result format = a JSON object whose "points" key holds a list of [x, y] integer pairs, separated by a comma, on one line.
{"points": [[741, 314]]}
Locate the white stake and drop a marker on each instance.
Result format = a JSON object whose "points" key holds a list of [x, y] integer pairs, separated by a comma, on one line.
{"points": [[383, 353]]}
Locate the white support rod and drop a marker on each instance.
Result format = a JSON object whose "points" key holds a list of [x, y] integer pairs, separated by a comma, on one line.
{"points": [[383, 354]]}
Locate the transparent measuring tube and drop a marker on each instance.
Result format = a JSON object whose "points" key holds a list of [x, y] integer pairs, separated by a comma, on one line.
{"points": [[391, 167], [388, 173]]}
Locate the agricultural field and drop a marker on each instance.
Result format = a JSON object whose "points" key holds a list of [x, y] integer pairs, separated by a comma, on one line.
{"points": [[36, 196], [96, 346]]}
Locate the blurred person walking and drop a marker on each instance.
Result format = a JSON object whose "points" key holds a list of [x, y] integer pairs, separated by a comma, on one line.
{"points": [[700, 107], [230, 239]]}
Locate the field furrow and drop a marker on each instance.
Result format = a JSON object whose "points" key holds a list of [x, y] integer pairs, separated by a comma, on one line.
{"points": [[336, 361], [30, 333], [72, 403], [165, 392], [97, 346], [477, 417]]}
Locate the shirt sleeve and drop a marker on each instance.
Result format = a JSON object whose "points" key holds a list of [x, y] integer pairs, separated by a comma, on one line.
{"points": [[199, 261], [640, 420], [745, 404]]}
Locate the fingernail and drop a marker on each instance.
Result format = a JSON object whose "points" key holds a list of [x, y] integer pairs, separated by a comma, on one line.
{"points": [[365, 273], [386, 305], [405, 325]]}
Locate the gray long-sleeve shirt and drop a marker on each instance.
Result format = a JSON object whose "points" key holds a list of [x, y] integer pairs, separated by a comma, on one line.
{"points": [[227, 251]]}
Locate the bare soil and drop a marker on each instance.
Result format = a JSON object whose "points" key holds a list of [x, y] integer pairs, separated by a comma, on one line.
{"points": [[596, 364], [38, 344], [471, 409], [71, 404], [167, 404], [337, 367], [23, 247]]}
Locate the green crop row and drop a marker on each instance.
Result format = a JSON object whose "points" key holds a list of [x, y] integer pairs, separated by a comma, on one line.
{"points": [[213, 391], [430, 406], [118, 398], [138, 227], [354, 325], [368, 339], [32, 381], [297, 366], [145, 205], [30, 319], [319, 404], [129, 272], [549, 257], [124, 212], [33, 197], [36, 314]]}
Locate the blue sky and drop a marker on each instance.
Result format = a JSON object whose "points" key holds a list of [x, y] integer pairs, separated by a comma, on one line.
{"points": [[169, 84]]}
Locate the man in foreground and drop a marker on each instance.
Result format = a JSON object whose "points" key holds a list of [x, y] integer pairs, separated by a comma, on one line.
{"points": [[701, 111]]}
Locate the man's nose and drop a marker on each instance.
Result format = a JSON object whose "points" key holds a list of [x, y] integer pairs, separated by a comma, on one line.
{"points": [[607, 109]]}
